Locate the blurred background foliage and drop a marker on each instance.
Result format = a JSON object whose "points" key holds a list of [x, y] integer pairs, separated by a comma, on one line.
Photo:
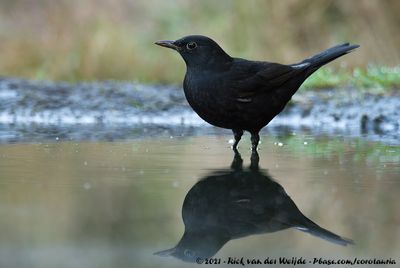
{"points": [[104, 39]]}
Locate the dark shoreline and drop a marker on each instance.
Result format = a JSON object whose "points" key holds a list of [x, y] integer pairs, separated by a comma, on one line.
{"points": [[114, 110]]}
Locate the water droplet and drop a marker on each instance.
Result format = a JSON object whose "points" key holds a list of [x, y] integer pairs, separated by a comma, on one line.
{"points": [[305, 143], [57, 138], [87, 186], [231, 141], [280, 144]]}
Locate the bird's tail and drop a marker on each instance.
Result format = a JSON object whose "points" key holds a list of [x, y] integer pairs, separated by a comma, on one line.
{"points": [[315, 62], [312, 228]]}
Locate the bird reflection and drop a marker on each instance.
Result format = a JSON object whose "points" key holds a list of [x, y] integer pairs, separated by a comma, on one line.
{"points": [[234, 203]]}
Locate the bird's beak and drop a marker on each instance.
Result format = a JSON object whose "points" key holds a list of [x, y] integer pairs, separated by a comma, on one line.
{"points": [[168, 44]]}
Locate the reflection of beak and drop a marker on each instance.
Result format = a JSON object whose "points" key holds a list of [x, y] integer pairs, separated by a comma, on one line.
{"points": [[168, 44], [165, 253]]}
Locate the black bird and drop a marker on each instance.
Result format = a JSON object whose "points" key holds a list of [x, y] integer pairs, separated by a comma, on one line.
{"points": [[234, 203], [240, 94]]}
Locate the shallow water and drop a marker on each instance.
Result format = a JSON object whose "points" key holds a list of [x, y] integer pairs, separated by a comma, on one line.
{"points": [[113, 204]]}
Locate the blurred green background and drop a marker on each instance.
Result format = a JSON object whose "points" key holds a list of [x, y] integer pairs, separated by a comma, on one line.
{"points": [[104, 39]]}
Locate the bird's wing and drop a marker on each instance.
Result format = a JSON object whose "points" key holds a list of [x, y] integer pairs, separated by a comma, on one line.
{"points": [[254, 78]]}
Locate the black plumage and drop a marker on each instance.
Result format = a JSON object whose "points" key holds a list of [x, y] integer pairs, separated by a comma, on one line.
{"points": [[239, 94]]}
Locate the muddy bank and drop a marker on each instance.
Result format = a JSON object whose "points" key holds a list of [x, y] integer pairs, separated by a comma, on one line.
{"points": [[112, 109]]}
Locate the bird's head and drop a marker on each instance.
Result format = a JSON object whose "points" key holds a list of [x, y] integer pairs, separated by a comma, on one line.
{"points": [[198, 51], [196, 245]]}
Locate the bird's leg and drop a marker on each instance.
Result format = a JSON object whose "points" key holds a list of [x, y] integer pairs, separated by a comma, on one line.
{"points": [[237, 134], [255, 139], [237, 161], [254, 159]]}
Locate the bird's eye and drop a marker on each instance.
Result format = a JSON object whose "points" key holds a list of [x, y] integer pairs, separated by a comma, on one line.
{"points": [[191, 45]]}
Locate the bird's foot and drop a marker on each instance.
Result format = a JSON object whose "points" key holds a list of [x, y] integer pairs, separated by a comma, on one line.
{"points": [[254, 160], [237, 161], [255, 139]]}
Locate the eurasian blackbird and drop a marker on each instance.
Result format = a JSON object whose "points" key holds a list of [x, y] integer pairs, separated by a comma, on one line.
{"points": [[240, 94], [234, 203]]}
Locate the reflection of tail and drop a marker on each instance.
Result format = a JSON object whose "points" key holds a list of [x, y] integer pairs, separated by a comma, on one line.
{"points": [[314, 229]]}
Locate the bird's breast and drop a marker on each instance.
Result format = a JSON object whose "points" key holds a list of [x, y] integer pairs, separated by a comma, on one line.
{"points": [[207, 99]]}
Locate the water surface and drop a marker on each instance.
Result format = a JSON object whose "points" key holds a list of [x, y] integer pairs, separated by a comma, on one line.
{"points": [[115, 203]]}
